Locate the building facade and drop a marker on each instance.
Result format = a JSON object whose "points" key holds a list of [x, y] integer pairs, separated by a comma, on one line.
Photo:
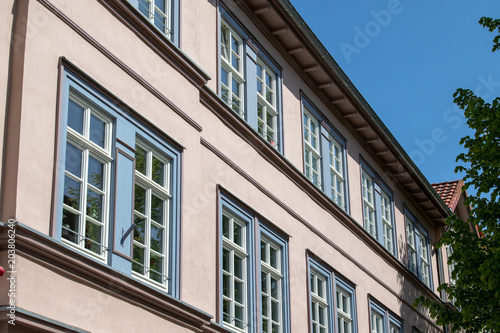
{"points": [[200, 166]]}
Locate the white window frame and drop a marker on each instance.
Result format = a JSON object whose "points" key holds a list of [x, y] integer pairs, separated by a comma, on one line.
{"points": [[369, 216], [153, 12], [337, 183], [382, 321], [387, 222], [418, 250], [235, 251], [270, 272], [312, 155], [163, 192], [344, 314], [267, 129], [378, 216], [232, 97], [83, 142], [319, 304]]}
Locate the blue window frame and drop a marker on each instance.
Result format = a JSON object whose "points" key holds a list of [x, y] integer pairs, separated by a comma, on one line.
{"points": [[418, 249], [250, 81], [332, 301], [324, 156], [249, 246], [162, 14], [105, 185], [382, 321], [378, 214]]}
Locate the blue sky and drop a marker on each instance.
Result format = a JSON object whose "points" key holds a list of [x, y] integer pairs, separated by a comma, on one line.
{"points": [[407, 58]]}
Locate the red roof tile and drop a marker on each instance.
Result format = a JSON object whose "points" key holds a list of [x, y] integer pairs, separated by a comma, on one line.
{"points": [[450, 192]]}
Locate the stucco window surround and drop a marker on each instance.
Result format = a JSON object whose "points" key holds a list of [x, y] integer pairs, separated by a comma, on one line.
{"points": [[253, 272], [332, 301], [100, 180], [418, 249], [382, 321], [250, 80], [324, 155], [162, 14], [378, 208]]}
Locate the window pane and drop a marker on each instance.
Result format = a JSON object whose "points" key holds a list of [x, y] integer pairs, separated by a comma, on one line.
{"points": [[237, 234], [156, 238], [140, 160], [75, 116], [238, 291], [144, 7], [263, 251], [274, 288], [156, 266], [96, 172], [225, 226], [158, 171], [97, 130], [140, 199], [224, 77], [235, 88], [239, 316], [226, 310], [138, 256], [275, 311], [139, 229], [225, 260], [160, 4], [157, 209], [93, 237], [70, 226], [238, 267], [160, 21], [73, 160], [264, 283], [274, 257], [94, 205], [226, 285], [71, 193]]}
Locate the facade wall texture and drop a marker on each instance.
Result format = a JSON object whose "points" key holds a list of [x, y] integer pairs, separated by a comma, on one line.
{"points": [[106, 55]]}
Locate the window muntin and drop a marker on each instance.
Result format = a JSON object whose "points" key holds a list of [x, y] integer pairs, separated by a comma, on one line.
{"points": [[394, 328], [86, 178], [387, 223], [96, 173], [381, 321], [152, 198], [377, 209], [234, 272], [312, 148], [247, 255], [344, 311], [271, 286], [267, 114], [232, 73], [424, 260], [337, 173], [159, 13], [377, 322], [412, 248], [417, 241], [369, 204], [319, 302]]}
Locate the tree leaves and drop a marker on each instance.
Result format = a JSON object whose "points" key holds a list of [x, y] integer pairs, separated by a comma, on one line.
{"points": [[476, 292]]}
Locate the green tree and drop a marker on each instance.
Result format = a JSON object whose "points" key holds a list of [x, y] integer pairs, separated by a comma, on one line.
{"points": [[476, 291]]}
